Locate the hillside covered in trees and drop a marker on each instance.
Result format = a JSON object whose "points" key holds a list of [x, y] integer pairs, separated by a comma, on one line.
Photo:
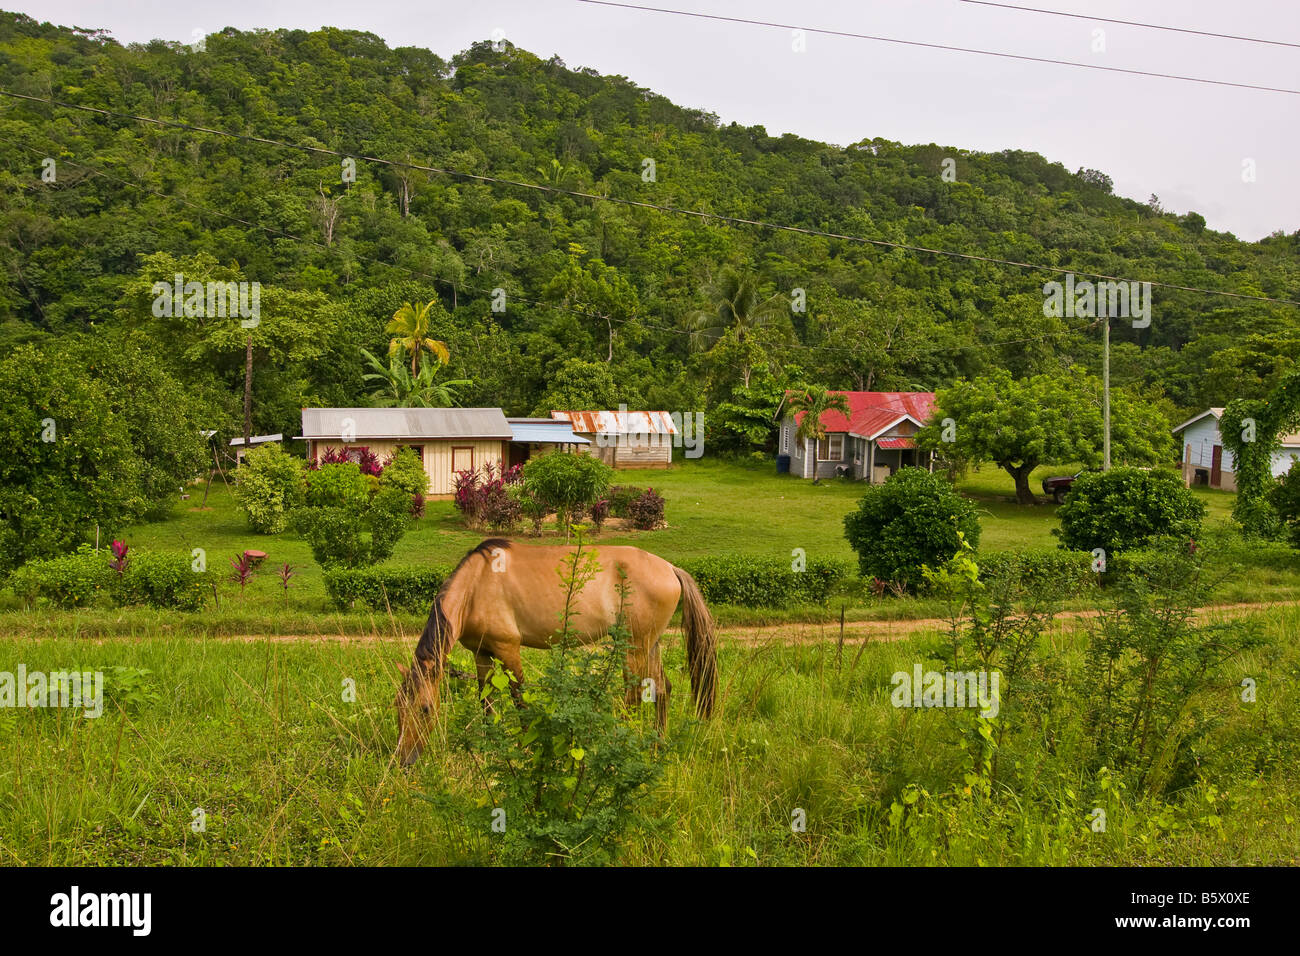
{"points": [[603, 301]]}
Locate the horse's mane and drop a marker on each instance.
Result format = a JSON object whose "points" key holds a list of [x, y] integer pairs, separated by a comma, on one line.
{"points": [[430, 646]]}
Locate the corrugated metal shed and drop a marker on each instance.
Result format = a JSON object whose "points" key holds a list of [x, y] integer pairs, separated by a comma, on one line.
{"points": [[547, 433], [619, 423], [405, 423]]}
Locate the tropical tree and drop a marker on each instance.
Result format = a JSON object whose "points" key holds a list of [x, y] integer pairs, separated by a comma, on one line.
{"points": [[398, 388], [1056, 418], [738, 312], [814, 401], [410, 326]]}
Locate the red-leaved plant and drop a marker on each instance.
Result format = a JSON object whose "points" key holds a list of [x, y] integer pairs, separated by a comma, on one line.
{"points": [[119, 562], [243, 571]]}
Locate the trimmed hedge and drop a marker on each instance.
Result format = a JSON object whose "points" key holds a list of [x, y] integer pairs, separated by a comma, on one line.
{"points": [[160, 579], [402, 589], [767, 582], [1040, 567]]}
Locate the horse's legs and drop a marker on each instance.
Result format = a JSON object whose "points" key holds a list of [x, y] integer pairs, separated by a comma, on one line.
{"points": [[483, 666], [638, 668], [514, 663], [663, 688]]}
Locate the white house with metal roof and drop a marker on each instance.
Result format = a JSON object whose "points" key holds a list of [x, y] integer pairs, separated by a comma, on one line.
{"points": [[447, 440], [1205, 460]]}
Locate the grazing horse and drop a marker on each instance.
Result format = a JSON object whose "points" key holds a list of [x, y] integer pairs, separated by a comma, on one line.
{"points": [[505, 596]]}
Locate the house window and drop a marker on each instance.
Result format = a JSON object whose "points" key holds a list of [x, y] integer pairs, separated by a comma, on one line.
{"points": [[831, 448]]}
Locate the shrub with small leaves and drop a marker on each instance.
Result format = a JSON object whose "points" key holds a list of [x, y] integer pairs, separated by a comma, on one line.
{"points": [[1126, 508], [647, 512], [268, 486]]}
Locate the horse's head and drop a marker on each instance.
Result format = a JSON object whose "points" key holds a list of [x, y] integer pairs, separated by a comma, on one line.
{"points": [[417, 705]]}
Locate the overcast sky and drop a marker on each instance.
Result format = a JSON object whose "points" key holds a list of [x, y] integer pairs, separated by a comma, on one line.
{"points": [[1185, 142]]}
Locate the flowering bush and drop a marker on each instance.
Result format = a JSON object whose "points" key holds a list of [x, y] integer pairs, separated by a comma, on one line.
{"points": [[482, 496]]}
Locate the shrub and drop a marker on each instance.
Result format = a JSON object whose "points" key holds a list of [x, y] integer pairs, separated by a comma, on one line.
{"points": [[481, 494], [164, 579], [1126, 508], [1041, 570], [71, 580], [913, 520], [336, 534], [1285, 499], [268, 486], [621, 498], [85, 578], [567, 481], [599, 512], [405, 470], [767, 582], [338, 485], [647, 512], [401, 589]]}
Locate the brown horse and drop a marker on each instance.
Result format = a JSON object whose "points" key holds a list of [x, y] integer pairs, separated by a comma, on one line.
{"points": [[504, 596]]}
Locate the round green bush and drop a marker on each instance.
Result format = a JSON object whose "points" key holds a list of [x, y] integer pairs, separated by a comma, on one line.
{"points": [[1125, 508], [405, 472], [269, 484], [338, 485], [1285, 499], [912, 520]]}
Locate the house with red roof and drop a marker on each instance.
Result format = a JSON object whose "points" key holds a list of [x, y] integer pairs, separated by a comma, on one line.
{"points": [[871, 443]]}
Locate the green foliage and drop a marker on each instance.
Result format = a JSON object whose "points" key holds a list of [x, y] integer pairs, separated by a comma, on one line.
{"points": [[337, 485], [1285, 500], [1042, 568], [89, 445], [915, 518], [83, 579], [768, 582], [385, 588], [566, 767], [406, 473], [1252, 431], [1043, 419], [1153, 671], [1125, 508], [578, 385], [269, 485], [621, 498], [358, 534], [567, 482]]}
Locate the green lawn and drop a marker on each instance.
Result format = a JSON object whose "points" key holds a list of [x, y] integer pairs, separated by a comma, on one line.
{"points": [[713, 507]]}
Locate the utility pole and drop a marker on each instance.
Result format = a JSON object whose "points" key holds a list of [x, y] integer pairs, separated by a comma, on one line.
{"points": [[1105, 389]]}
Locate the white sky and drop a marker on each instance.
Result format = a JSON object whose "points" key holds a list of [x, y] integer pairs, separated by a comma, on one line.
{"points": [[1185, 142]]}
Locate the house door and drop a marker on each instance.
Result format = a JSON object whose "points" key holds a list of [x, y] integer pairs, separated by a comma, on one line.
{"points": [[462, 458], [1216, 466]]}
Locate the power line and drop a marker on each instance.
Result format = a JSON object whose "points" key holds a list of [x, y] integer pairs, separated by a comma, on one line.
{"points": [[705, 217], [1133, 23], [680, 333], [943, 46]]}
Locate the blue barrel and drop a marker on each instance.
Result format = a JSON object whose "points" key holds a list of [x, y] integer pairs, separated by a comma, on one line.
{"points": [[783, 464]]}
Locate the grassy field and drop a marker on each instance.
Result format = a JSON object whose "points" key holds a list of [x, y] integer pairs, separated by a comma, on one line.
{"points": [[257, 736], [255, 732], [713, 507]]}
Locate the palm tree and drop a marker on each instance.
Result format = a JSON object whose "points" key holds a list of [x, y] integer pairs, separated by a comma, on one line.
{"points": [[410, 328], [738, 308], [815, 401], [399, 389]]}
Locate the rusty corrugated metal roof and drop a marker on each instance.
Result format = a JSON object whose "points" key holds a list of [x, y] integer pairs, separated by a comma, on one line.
{"points": [[871, 413], [622, 422]]}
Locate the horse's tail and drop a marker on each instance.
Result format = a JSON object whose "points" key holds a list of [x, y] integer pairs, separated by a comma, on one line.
{"points": [[701, 644]]}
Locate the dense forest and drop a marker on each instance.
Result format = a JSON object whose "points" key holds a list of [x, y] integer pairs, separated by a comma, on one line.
{"points": [[603, 301]]}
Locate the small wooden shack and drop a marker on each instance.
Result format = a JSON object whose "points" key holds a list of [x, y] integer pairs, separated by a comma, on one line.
{"points": [[626, 439]]}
